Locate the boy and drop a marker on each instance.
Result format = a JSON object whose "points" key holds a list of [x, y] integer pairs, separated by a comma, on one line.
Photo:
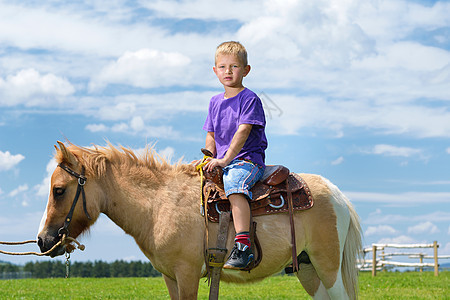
{"points": [[235, 135]]}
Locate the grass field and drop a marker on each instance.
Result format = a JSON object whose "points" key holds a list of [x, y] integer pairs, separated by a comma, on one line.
{"points": [[384, 286]]}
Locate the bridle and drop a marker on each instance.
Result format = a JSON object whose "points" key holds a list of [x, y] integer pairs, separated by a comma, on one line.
{"points": [[80, 190]]}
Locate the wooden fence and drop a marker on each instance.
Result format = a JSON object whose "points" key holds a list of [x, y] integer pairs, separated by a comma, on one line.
{"points": [[381, 264]]}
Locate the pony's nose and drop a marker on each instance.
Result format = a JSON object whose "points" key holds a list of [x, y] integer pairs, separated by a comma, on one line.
{"points": [[40, 243]]}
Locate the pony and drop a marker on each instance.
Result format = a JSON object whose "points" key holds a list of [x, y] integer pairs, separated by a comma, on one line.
{"points": [[157, 203]]}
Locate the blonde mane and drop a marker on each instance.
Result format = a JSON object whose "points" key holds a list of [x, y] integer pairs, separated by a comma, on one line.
{"points": [[96, 158]]}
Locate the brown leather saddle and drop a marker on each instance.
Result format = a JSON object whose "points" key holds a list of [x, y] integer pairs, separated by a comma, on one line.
{"points": [[269, 195], [278, 191]]}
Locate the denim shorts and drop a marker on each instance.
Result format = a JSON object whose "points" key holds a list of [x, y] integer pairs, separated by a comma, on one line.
{"points": [[240, 176]]}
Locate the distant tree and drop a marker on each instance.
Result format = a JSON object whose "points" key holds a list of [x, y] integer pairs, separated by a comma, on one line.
{"points": [[87, 270], [58, 269], [7, 267], [118, 268], [101, 269], [29, 267], [76, 269]]}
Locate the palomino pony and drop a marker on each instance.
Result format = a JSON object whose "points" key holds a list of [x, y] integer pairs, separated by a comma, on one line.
{"points": [[158, 204]]}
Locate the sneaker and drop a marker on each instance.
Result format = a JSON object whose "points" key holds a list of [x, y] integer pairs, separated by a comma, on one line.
{"points": [[241, 256]]}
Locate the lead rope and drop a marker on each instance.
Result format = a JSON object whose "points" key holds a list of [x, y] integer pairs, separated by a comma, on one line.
{"points": [[62, 241]]}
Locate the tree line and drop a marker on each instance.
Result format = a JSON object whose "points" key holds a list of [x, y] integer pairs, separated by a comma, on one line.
{"points": [[52, 269]]}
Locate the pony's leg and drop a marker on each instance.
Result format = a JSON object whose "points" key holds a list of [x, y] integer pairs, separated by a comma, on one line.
{"points": [[187, 274], [322, 293], [328, 273], [188, 287], [185, 287], [311, 282], [326, 248], [172, 287], [337, 291], [308, 278]]}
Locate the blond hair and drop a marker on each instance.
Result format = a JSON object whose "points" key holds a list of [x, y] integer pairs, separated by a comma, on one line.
{"points": [[232, 48]]}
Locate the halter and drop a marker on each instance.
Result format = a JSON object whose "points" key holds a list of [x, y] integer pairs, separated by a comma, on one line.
{"points": [[80, 189]]}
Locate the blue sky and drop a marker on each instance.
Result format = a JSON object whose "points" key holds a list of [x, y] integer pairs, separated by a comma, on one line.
{"points": [[358, 92]]}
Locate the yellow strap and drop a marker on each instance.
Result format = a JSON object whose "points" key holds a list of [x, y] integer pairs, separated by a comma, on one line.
{"points": [[199, 168], [216, 265], [203, 209]]}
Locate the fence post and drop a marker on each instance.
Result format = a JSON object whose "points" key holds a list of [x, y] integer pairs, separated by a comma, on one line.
{"points": [[436, 265], [421, 261], [374, 260]]}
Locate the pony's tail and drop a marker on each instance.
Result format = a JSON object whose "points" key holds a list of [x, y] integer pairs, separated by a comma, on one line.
{"points": [[352, 251]]}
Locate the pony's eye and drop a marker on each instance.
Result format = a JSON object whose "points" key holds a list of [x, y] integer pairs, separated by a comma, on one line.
{"points": [[58, 192]]}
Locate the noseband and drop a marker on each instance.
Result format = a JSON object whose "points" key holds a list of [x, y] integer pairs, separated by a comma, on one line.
{"points": [[80, 190]]}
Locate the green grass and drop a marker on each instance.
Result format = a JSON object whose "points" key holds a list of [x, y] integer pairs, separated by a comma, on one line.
{"points": [[388, 285]]}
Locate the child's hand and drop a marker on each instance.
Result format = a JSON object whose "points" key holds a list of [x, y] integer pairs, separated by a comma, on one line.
{"points": [[195, 162], [214, 162]]}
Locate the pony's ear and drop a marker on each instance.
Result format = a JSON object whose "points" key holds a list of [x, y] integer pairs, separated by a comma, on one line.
{"points": [[66, 155]]}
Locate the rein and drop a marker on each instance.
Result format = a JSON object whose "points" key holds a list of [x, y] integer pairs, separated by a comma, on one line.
{"points": [[80, 190], [204, 209]]}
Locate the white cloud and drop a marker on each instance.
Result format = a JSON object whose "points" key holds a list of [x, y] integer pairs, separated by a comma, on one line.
{"points": [[399, 199], [44, 187], [96, 127], [120, 127], [20, 189], [448, 150], [422, 182], [72, 29], [9, 161], [445, 250], [334, 116], [167, 153], [338, 161], [149, 107], [421, 228], [204, 9], [380, 230], [389, 150], [363, 80], [334, 49], [31, 88], [120, 111], [380, 218], [313, 34], [359, 58], [145, 68], [388, 20], [143, 114], [137, 124], [406, 56], [402, 239]]}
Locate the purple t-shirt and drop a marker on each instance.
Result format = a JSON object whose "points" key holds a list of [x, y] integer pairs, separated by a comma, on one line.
{"points": [[224, 118]]}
